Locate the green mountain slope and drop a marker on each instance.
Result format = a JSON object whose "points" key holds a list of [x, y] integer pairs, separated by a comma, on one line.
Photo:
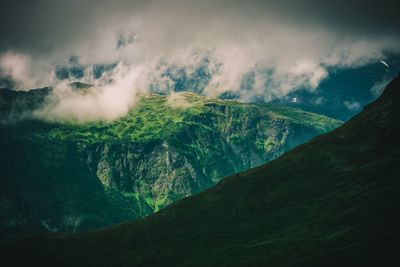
{"points": [[74, 176], [330, 202]]}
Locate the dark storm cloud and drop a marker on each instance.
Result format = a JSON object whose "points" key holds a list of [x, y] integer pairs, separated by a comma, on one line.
{"points": [[43, 25]]}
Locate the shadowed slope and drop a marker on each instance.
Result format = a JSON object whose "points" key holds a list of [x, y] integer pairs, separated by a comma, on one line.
{"points": [[330, 202], [71, 176]]}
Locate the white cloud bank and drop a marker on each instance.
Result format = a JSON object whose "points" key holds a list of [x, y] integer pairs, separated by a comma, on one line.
{"points": [[18, 68], [273, 43]]}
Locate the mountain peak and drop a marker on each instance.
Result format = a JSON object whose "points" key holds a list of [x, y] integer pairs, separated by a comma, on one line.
{"points": [[330, 202]]}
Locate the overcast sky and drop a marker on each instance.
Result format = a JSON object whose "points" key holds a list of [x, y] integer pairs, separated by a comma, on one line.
{"points": [[53, 26], [299, 40]]}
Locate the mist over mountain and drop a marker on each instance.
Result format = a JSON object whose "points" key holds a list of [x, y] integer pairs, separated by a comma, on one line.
{"points": [[330, 202], [71, 176], [341, 95], [254, 51], [163, 113]]}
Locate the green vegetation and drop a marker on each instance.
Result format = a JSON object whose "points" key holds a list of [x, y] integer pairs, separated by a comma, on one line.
{"points": [[164, 149], [330, 202], [153, 119]]}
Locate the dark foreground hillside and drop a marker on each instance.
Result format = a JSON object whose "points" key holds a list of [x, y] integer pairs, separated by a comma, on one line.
{"points": [[331, 202], [71, 176]]}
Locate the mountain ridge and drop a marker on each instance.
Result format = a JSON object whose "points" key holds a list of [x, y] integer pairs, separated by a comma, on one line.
{"points": [[329, 202], [74, 176]]}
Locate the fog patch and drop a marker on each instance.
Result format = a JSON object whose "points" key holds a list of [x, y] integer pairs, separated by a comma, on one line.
{"points": [[352, 105], [377, 88], [106, 100], [178, 100], [17, 72]]}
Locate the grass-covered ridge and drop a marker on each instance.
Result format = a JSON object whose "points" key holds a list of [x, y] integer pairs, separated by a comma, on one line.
{"points": [[330, 202], [156, 117], [77, 176]]}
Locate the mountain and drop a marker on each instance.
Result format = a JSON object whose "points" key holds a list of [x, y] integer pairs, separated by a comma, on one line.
{"points": [[72, 176], [330, 202], [15, 105], [344, 93], [340, 95]]}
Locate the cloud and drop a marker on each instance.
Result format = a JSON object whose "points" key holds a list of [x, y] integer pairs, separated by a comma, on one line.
{"points": [[106, 100], [16, 68], [352, 105], [252, 48], [319, 101], [179, 101], [93, 29], [378, 87]]}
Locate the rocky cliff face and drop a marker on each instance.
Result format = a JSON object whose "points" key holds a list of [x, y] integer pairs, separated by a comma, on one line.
{"points": [[330, 202], [70, 177]]}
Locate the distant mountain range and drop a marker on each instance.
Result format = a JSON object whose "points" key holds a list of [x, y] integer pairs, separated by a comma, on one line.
{"points": [[71, 176], [330, 202], [341, 95]]}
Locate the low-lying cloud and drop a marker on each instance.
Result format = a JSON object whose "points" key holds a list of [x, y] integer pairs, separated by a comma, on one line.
{"points": [[105, 100], [352, 105], [17, 71], [378, 87], [263, 49]]}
